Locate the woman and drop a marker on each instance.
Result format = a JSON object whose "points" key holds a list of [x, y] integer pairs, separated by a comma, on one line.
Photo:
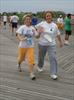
{"points": [[67, 28], [14, 23], [60, 24], [48, 43], [25, 35]]}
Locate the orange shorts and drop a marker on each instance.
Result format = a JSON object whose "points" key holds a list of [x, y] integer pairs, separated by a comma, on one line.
{"points": [[26, 52]]}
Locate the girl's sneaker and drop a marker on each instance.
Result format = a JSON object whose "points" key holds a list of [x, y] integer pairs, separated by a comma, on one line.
{"points": [[19, 68], [32, 76]]}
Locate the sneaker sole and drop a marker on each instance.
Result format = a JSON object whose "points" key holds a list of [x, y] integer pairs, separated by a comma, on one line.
{"points": [[54, 78], [33, 78]]}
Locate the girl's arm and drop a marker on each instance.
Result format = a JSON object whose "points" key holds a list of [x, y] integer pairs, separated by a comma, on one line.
{"points": [[21, 37]]}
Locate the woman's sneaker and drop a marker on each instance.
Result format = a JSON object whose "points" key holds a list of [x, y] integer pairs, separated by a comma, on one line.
{"points": [[32, 76], [54, 77], [66, 43]]}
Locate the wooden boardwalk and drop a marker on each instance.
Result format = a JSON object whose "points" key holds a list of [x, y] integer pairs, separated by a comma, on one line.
{"points": [[18, 86]]}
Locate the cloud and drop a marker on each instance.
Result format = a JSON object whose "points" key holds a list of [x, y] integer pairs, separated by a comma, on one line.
{"points": [[36, 5]]}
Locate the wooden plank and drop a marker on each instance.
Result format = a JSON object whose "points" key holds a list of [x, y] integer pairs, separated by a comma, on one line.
{"points": [[18, 86]]}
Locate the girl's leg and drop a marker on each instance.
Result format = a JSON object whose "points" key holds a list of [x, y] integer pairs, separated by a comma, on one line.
{"points": [[21, 57], [31, 61]]}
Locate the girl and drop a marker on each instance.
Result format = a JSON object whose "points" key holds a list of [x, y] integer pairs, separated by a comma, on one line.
{"points": [[26, 46]]}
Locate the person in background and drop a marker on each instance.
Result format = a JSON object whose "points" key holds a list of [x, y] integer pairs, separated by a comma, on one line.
{"points": [[0, 22], [67, 26], [25, 35], [48, 31], [34, 20], [4, 20], [9, 21], [60, 23], [14, 21]]}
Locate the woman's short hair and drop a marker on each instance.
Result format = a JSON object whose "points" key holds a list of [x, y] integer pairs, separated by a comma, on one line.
{"points": [[46, 13], [68, 15]]}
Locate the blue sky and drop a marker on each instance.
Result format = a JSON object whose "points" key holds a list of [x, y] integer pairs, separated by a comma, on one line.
{"points": [[36, 5]]}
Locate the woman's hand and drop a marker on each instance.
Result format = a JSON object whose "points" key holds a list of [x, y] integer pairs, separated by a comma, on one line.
{"points": [[40, 29]]}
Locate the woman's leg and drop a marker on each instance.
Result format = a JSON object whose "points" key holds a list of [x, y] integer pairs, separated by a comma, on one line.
{"points": [[41, 55], [53, 61], [67, 34], [66, 37]]}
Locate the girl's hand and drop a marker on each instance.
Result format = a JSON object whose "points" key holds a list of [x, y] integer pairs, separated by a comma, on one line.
{"points": [[23, 38]]}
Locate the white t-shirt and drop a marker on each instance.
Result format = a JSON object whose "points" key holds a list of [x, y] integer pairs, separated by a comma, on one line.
{"points": [[14, 19], [49, 28], [60, 20], [27, 31], [4, 18]]}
